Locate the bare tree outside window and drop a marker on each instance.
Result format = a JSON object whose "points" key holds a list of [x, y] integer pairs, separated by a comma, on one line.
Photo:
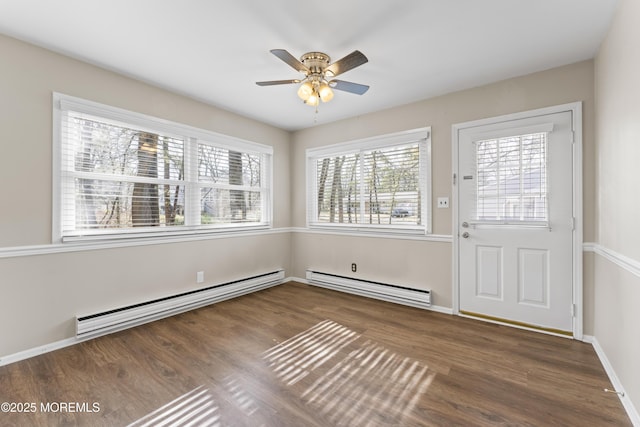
{"points": [[120, 157], [335, 199], [126, 173], [231, 182], [322, 182], [145, 211], [171, 198], [387, 178]]}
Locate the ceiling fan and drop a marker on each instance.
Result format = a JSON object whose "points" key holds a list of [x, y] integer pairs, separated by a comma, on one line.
{"points": [[317, 69]]}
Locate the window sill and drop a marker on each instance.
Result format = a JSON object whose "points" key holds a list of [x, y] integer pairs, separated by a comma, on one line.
{"points": [[164, 235], [386, 233], [56, 248]]}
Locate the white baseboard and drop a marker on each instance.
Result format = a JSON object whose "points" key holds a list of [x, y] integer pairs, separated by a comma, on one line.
{"points": [[617, 385], [440, 309], [46, 348], [588, 339], [37, 351], [235, 289]]}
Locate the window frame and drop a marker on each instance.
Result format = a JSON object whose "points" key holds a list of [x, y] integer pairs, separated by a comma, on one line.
{"points": [[419, 135], [192, 136]]}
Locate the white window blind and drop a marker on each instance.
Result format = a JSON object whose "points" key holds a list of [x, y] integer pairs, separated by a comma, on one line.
{"points": [[338, 189], [375, 184], [230, 185], [512, 179], [144, 175]]}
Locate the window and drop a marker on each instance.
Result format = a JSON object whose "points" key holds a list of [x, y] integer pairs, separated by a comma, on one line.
{"points": [[512, 179], [123, 174], [378, 184]]}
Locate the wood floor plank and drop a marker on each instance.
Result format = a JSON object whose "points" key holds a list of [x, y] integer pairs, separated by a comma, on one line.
{"points": [[298, 355]]}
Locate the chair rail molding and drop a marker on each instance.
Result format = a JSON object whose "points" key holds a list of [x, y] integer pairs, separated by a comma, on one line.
{"points": [[622, 261]]}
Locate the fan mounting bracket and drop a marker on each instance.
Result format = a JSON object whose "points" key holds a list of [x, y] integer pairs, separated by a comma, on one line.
{"points": [[315, 61]]}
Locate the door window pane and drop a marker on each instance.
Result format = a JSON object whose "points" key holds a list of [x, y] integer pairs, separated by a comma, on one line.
{"points": [[512, 179]]}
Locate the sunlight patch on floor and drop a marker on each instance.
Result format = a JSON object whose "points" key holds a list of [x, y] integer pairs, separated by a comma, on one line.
{"points": [[195, 408], [370, 385], [238, 394], [296, 357]]}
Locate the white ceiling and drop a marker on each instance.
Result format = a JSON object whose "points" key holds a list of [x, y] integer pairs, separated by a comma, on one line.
{"points": [[215, 51]]}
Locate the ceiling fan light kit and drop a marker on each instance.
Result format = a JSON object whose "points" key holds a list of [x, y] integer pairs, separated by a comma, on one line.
{"points": [[317, 67]]}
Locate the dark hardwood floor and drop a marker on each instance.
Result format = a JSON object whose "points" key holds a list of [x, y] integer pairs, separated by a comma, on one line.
{"points": [[297, 355]]}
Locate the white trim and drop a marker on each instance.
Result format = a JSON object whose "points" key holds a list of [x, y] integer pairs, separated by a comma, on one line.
{"points": [[578, 221], [418, 135], [440, 309], [168, 233], [63, 105], [629, 264], [378, 141], [632, 412], [353, 232], [56, 172], [37, 351], [56, 248], [576, 109]]}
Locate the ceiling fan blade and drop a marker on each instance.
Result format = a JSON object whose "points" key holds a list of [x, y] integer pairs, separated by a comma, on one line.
{"points": [[278, 82], [347, 63], [291, 60], [356, 88]]}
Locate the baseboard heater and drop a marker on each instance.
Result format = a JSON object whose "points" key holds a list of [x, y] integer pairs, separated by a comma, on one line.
{"points": [[419, 298], [137, 314]]}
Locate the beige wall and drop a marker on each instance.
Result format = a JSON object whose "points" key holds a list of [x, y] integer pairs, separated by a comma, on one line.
{"points": [[428, 264], [617, 290], [29, 75], [42, 294]]}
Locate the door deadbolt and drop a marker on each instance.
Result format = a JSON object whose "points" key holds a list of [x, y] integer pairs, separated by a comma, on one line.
{"points": [[465, 225]]}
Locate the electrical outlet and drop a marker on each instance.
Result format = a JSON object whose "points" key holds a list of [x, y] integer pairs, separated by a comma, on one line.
{"points": [[354, 267], [200, 277], [443, 202]]}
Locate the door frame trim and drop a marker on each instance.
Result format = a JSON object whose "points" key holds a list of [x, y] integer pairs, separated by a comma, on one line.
{"points": [[576, 113]]}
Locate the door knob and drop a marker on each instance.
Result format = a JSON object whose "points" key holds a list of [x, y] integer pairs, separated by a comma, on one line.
{"points": [[465, 235]]}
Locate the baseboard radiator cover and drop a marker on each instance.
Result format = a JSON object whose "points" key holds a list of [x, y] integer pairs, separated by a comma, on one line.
{"points": [[419, 298], [126, 317]]}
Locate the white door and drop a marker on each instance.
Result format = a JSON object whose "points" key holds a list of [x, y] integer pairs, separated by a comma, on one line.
{"points": [[515, 221]]}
